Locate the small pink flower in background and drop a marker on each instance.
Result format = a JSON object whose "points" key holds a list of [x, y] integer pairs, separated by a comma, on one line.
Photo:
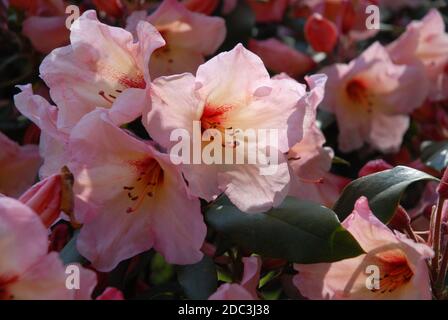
{"points": [[401, 262], [293, 62], [111, 294], [27, 271], [18, 166], [103, 67], [269, 10], [321, 33], [189, 37], [372, 98], [425, 42], [233, 91], [311, 162], [247, 288], [140, 198], [45, 198], [45, 23]]}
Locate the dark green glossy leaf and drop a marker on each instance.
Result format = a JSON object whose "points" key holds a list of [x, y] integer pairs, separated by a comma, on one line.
{"points": [[384, 191], [198, 280], [298, 231]]}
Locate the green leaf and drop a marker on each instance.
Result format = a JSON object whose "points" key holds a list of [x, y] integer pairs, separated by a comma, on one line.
{"points": [[198, 280], [384, 191], [435, 154], [161, 271], [70, 253], [298, 231]]}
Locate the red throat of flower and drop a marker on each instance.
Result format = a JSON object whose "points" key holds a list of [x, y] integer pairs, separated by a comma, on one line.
{"points": [[149, 179], [4, 283], [358, 94], [214, 117], [124, 82], [395, 271]]}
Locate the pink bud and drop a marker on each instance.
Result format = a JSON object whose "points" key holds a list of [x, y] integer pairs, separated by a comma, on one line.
{"points": [[45, 199], [442, 188], [374, 166], [321, 33]]}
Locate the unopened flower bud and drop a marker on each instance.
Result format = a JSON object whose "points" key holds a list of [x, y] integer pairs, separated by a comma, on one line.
{"points": [[374, 166], [442, 188], [321, 33]]}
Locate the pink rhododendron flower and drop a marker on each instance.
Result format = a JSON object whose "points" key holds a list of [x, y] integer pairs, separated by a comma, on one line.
{"points": [[401, 262], [247, 288], [189, 37], [45, 23], [372, 97], [425, 42], [140, 197], [45, 199], [103, 67], [311, 162], [293, 62], [52, 141], [233, 91], [27, 271], [18, 166], [269, 10]]}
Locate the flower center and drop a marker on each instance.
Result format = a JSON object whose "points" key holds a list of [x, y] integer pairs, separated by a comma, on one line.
{"points": [[121, 81], [358, 94], [150, 176], [216, 118], [395, 271]]}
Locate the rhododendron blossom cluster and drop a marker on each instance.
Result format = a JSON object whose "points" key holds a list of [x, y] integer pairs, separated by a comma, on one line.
{"points": [[223, 150]]}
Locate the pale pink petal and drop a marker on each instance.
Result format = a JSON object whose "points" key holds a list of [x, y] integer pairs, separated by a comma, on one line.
{"points": [[221, 80], [44, 280], [23, 238], [252, 191], [366, 228], [387, 132]]}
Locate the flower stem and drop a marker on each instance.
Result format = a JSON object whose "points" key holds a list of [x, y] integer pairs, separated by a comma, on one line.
{"points": [[436, 237]]}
